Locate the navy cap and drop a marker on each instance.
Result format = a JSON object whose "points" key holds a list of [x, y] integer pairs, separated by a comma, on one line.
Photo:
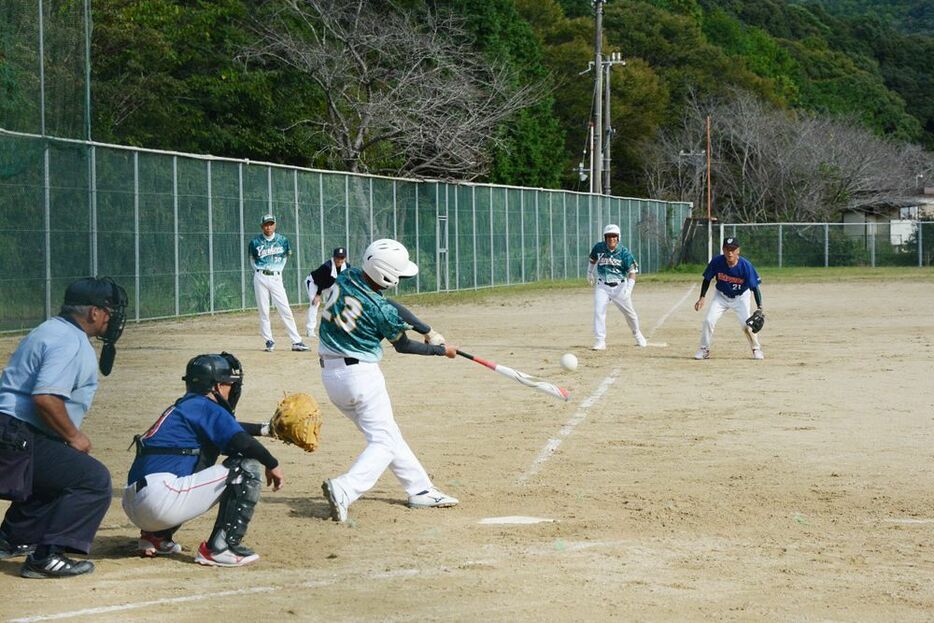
{"points": [[731, 242], [339, 252], [97, 292]]}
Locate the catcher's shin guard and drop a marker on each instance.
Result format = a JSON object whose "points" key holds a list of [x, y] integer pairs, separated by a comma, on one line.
{"points": [[235, 508]]}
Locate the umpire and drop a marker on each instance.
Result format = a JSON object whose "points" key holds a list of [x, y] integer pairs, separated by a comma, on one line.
{"points": [[321, 279], [60, 493]]}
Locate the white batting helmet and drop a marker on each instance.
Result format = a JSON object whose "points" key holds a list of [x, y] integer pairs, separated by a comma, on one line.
{"points": [[611, 230], [385, 261]]}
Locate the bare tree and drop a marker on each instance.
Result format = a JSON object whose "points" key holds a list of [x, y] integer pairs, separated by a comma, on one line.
{"points": [[774, 165], [405, 93]]}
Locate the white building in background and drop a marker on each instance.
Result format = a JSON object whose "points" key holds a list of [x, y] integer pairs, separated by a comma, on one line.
{"points": [[899, 219]]}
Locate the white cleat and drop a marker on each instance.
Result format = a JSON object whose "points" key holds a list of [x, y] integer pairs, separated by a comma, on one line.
{"points": [[599, 345], [757, 353], [431, 498], [233, 556], [337, 500], [640, 341], [702, 353]]}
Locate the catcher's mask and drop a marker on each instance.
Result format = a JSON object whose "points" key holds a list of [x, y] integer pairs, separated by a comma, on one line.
{"points": [[106, 294], [204, 372]]}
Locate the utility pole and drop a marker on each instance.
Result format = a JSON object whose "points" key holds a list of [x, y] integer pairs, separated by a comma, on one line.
{"points": [[597, 169], [615, 58]]}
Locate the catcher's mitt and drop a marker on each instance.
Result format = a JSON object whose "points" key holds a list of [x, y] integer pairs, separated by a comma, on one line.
{"points": [[756, 321], [297, 420]]}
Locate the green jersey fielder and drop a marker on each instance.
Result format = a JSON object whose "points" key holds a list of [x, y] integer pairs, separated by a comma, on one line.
{"points": [[612, 272]]}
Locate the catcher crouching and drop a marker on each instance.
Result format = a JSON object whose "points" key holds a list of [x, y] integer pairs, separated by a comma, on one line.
{"points": [[174, 477]]}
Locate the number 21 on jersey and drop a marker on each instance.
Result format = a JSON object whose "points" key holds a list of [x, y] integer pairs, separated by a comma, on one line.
{"points": [[351, 309]]}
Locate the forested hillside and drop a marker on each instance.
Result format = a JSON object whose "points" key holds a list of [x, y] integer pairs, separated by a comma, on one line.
{"points": [[194, 76], [907, 16]]}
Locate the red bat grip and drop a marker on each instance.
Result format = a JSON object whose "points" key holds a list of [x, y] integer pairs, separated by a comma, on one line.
{"points": [[482, 362]]}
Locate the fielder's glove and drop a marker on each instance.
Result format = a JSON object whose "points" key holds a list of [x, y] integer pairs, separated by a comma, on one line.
{"points": [[297, 420], [756, 321], [591, 280]]}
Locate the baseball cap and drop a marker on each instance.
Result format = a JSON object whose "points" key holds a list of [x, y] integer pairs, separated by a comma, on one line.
{"points": [[732, 241], [268, 218], [339, 252]]}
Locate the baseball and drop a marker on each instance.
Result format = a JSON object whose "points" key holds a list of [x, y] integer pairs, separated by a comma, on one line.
{"points": [[568, 361]]}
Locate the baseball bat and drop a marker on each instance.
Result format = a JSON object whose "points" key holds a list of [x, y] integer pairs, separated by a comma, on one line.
{"points": [[526, 379]]}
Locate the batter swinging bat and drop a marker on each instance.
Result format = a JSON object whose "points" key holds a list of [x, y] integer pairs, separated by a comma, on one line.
{"points": [[522, 377]]}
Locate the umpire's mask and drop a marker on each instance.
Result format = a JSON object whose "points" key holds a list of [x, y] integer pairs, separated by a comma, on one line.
{"points": [[104, 293]]}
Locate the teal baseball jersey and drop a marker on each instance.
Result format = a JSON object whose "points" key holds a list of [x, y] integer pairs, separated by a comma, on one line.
{"points": [[356, 318], [613, 266], [270, 254]]}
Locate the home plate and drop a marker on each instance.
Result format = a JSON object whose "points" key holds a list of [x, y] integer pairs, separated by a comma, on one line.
{"points": [[657, 344], [514, 519]]}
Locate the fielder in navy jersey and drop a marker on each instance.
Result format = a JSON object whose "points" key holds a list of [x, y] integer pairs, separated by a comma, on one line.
{"points": [[174, 477], [736, 277]]}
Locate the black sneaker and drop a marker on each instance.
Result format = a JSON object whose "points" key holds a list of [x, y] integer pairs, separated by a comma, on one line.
{"points": [[8, 550], [55, 565]]}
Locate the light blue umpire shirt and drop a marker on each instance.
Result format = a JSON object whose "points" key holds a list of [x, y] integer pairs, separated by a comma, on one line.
{"points": [[55, 358]]}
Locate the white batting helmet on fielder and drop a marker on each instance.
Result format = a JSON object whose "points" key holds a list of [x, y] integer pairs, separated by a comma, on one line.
{"points": [[611, 230], [385, 261]]}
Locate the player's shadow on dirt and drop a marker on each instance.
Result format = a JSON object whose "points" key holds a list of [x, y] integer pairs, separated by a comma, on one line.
{"points": [[301, 507]]}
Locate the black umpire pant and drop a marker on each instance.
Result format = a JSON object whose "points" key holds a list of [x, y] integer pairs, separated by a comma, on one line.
{"points": [[71, 493]]}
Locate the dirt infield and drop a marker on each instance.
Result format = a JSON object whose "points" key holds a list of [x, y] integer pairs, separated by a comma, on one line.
{"points": [[795, 488]]}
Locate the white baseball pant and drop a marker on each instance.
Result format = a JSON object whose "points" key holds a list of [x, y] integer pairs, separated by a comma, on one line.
{"points": [[359, 391], [621, 296], [312, 321], [264, 287], [168, 500], [741, 306]]}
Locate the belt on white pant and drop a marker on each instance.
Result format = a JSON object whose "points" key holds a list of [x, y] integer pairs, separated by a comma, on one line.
{"points": [[612, 284], [268, 272], [338, 362]]}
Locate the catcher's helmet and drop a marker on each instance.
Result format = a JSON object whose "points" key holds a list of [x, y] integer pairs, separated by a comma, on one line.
{"points": [[205, 371], [386, 261], [611, 230]]}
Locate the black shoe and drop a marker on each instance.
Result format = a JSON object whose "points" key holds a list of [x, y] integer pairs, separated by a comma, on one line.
{"points": [[55, 565], [8, 550]]}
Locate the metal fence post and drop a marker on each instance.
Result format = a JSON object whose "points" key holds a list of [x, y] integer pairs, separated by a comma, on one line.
{"points": [[210, 241], [242, 237], [92, 187], [47, 229], [347, 214], [538, 256], [564, 229], [473, 216], [826, 245], [920, 244], [780, 233], [321, 209], [522, 233], [298, 238], [136, 227], [175, 227], [506, 204], [457, 236], [418, 283], [492, 281], [872, 243]]}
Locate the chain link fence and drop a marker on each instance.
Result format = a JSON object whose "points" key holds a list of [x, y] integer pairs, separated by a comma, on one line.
{"points": [[892, 243], [173, 228]]}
